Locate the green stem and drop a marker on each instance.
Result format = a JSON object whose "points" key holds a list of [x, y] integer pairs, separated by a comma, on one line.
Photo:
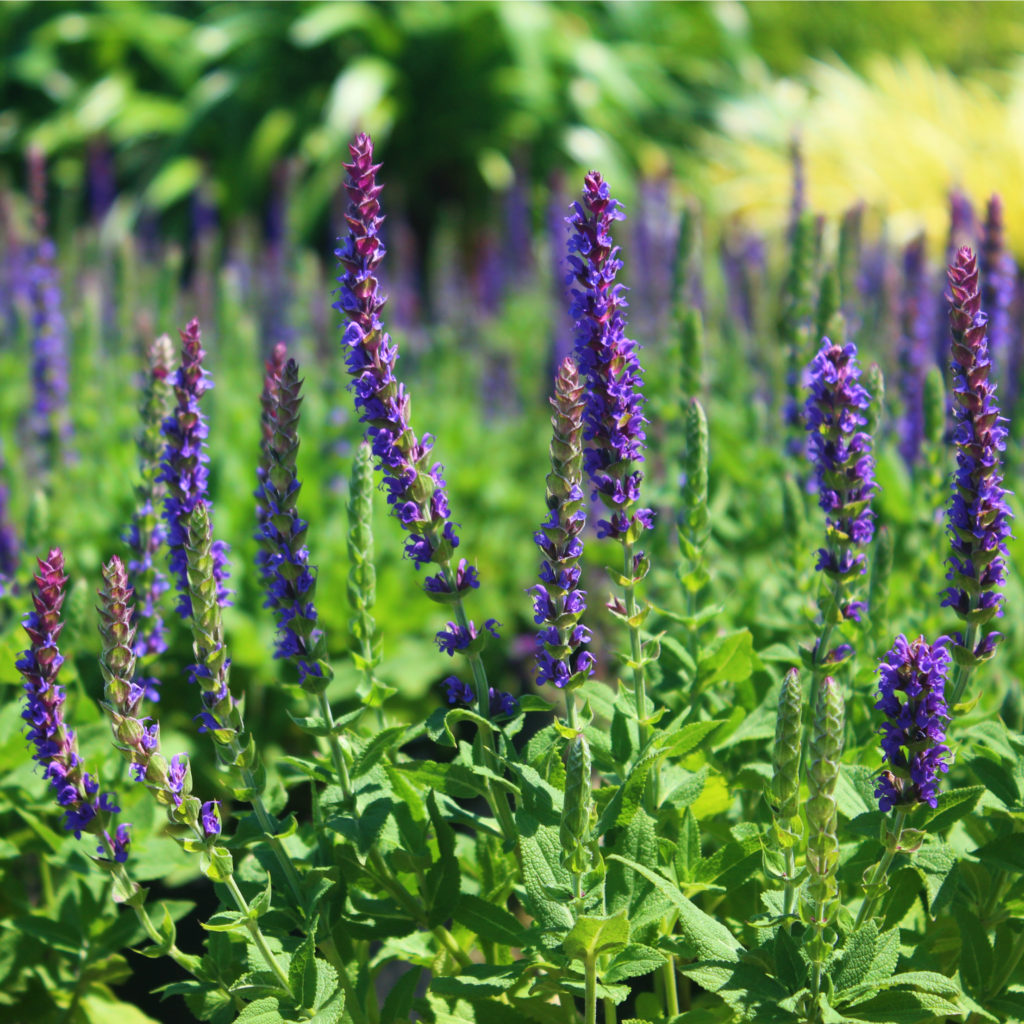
{"points": [[337, 755], [590, 990], [267, 825], [610, 1016], [878, 876], [668, 977], [963, 672], [257, 935], [639, 679], [333, 957], [789, 888], [498, 804]]}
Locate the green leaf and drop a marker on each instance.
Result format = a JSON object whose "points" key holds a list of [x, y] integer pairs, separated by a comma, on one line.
{"points": [[729, 659], [226, 921], [975, 950], [491, 923], [857, 958], [479, 980], [593, 936], [398, 1004], [302, 973], [688, 847], [951, 807], [679, 743], [936, 862], [262, 1011], [633, 962], [905, 1007], [541, 859], [1006, 852], [709, 939], [444, 879], [381, 743]]}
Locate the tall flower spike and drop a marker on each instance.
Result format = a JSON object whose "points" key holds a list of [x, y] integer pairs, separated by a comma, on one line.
{"points": [[998, 275], [558, 601], [785, 784], [137, 738], [273, 368], [415, 489], [184, 468], [289, 578], [49, 419], [979, 517], [147, 534], [844, 470], [913, 738], [219, 716], [85, 808], [613, 418]]}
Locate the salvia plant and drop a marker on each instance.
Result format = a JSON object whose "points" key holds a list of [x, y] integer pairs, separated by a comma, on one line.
{"points": [[615, 725]]}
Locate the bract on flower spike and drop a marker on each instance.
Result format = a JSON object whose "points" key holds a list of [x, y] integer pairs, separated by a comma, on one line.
{"points": [[86, 809], [184, 468], [558, 601], [289, 578], [979, 516], [415, 488], [911, 688], [136, 737]]}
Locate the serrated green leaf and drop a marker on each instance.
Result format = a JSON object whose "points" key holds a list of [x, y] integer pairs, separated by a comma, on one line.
{"points": [[378, 746], [857, 957], [952, 805], [905, 1007], [541, 852], [1006, 852], [479, 980], [491, 923], [975, 950], [708, 938], [936, 862], [633, 962], [591, 937], [730, 659], [261, 1011]]}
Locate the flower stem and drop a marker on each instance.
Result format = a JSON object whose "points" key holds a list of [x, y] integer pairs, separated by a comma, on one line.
{"points": [[257, 935], [590, 990], [881, 869], [963, 672]]}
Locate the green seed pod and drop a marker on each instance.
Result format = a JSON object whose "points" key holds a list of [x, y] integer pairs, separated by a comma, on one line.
{"points": [[691, 349], [785, 784], [574, 833], [874, 383], [823, 772]]}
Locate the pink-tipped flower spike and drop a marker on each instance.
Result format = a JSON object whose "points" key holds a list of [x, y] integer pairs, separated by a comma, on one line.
{"points": [[86, 809]]}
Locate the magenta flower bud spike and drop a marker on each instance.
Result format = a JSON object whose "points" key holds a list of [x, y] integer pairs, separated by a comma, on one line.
{"points": [[979, 517], [86, 809]]}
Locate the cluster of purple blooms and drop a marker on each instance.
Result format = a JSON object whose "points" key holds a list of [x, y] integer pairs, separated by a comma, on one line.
{"points": [[613, 415], [913, 737], [415, 490], [979, 517], [185, 468], [85, 808], [844, 469], [917, 331]]}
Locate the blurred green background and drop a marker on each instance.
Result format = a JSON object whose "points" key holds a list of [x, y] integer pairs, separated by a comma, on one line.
{"points": [[462, 97]]}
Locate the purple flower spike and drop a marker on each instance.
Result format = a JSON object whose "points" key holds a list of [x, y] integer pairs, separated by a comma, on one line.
{"points": [[979, 517], [841, 453], [85, 808], [613, 418], [184, 468], [415, 487], [998, 276], [917, 305], [49, 419], [911, 688]]}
